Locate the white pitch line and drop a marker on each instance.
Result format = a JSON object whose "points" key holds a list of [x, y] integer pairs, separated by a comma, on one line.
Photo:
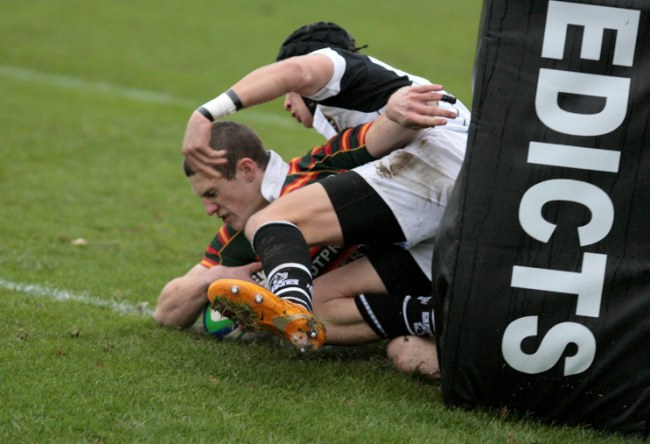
{"points": [[62, 295], [138, 95]]}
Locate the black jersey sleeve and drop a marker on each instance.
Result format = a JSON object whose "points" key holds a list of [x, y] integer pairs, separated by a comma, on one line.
{"points": [[365, 85]]}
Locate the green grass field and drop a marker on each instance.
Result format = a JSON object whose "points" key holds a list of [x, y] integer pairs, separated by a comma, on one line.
{"points": [[94, 97]]}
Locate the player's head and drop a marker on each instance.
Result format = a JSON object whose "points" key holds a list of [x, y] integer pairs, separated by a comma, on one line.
{"points": [[239, 141], [302, 41], [301, 108], [316, 36], [236, 195]]}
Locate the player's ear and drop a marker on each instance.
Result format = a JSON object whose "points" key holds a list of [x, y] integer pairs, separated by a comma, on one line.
{"points": [[247, 168]]}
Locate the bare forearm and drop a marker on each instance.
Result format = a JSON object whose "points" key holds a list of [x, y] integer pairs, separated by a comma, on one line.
{"points": [[181, 301], [385, 136], [183, 298], [272, 81], [304, 75]]}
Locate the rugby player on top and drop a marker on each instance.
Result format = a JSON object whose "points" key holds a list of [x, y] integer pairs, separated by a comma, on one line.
{"points": [[342, 77]]}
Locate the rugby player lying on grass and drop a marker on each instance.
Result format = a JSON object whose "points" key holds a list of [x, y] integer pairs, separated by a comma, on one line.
{"points": [[330, 86], [252, 177]]}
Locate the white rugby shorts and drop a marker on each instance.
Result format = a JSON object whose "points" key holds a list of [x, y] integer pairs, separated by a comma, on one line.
{"points": [[416, 182]]}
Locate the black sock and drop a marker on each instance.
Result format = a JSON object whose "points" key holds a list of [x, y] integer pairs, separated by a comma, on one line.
{"points": [[419, 315], [285, 257], [390, 316]]}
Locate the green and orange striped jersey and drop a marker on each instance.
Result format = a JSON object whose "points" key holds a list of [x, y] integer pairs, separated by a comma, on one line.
{"points": [[341, 153]]}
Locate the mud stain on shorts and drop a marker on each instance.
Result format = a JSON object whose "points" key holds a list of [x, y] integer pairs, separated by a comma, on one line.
{"points": [[397, 162], [421, 178], [383, 170]]}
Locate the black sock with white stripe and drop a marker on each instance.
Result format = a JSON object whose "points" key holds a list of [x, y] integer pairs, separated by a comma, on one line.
{"points": [[391, 316], [285, 257]]}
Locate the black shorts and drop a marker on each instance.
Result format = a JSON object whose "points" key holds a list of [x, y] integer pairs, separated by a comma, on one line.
{"points": [[363, 215], [399, 272]]}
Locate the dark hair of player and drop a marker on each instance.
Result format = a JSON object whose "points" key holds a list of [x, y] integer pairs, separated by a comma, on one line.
{"points": [[239, 141], [316, 36]]}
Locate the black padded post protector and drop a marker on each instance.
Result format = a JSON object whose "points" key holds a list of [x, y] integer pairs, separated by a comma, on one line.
{"points": [[542, 265]]}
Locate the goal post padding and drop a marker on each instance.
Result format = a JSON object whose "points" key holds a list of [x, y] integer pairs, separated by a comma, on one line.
{"points": [[541, 268]]}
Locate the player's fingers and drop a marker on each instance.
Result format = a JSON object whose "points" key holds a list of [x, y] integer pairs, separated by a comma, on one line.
{"points": [[196, 158], [431, 109], [439, 121], [217, 157], [421, 121], [441, 112], [208, 156], [427, 122], [426, 89], [441, 97], [201, 164], [254, 266]]}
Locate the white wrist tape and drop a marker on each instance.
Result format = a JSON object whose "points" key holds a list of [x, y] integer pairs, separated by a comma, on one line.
{"points": [[223, 105]]}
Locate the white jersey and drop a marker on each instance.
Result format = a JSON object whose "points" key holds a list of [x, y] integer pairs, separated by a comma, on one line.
{"points": [[415, 181]]}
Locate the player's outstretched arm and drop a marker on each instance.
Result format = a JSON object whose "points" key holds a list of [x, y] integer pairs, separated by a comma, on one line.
{"points": [[408, 110], [303, 74], [183, 298]]}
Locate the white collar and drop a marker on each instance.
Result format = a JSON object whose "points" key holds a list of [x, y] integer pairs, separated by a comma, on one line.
{"points": [[274, 177]]}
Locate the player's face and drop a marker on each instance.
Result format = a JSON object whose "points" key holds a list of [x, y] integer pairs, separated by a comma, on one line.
{"points": [[234, 201], [294, 104]]}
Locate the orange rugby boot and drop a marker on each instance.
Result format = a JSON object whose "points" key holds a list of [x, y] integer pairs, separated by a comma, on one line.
{"points": [[253, 306]]}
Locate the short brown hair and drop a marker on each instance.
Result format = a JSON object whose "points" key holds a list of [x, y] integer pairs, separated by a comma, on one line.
{"points": [[239, 141]]}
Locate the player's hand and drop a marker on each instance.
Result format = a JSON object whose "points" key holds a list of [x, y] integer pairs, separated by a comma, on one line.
{"points": [[417, 107], [198, 154], [243, 272]]}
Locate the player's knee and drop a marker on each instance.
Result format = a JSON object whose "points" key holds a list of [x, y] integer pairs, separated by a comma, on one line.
{"points": [[326, 310], [395, 348], [414, 354], [326, 299], [253, 223]]}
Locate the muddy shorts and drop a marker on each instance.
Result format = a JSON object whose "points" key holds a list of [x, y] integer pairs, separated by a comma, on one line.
{"points": [[402, 196]]}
